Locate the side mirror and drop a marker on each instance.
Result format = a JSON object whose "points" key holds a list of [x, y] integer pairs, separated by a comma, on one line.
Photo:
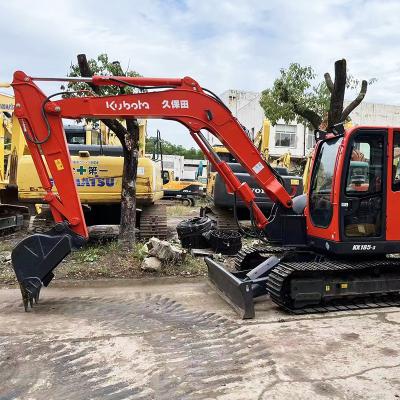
{"points": [[165, 177]]}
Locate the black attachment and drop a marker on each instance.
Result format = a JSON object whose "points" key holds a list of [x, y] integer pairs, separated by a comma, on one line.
{"points": [[193, 232], [225, 242], [240, 288], [35, 258], [337, 130]]}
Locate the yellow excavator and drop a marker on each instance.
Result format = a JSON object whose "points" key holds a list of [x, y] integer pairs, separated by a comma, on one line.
{"points": [[12, 215], [184, 191], [97, 161]]}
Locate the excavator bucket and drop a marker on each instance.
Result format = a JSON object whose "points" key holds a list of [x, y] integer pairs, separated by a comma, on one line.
{"points": [[35, 258], [240, 288]]}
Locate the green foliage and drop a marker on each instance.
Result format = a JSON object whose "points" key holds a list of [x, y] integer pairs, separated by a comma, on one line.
{"points": [[173, 149], [298, 85], [100, 66]]}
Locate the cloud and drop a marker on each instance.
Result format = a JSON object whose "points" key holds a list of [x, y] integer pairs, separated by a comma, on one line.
{"points": [[222, 44]]}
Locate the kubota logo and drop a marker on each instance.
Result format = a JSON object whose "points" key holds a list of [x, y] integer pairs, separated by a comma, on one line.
{"points": [[126, 105]]}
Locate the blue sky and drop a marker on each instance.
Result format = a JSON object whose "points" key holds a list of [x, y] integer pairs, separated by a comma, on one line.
{"points": [[222, 44]]}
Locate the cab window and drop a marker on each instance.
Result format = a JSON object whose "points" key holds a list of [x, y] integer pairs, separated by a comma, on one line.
{"points": [[363, 195], [364, 168], [321, 209]]}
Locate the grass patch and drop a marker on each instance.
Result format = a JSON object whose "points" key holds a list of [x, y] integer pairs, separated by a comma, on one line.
{"points": [[179, 210], [7, 275], [111, 261], [6, 245], [102, 260], [190, 266]]}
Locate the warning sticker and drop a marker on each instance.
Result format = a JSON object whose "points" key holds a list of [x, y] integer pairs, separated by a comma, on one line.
{"points": [[59, 164], [258, 168]]}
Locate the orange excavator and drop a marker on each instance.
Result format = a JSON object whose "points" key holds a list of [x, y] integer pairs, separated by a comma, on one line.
{"points": [[330, 249]]}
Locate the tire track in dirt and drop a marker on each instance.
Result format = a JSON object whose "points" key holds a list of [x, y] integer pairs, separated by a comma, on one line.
{"points": [[150, 347]]}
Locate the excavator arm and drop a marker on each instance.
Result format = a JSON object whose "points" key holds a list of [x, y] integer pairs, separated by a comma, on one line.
{"points": [[182, 100]]}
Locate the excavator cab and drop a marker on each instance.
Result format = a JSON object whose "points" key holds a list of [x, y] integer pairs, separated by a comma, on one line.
{"points": [[352, 225], [353, 185]]}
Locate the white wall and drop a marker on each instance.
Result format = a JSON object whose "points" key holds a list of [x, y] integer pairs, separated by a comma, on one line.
{"points": [[376, 114], [246, 108], [176, 163]]}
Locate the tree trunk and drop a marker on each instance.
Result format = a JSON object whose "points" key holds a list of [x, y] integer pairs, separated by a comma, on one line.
{"points": [[337, 94], [129, 138], [128, 194]]}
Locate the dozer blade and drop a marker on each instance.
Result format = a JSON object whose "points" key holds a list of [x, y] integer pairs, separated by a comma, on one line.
{"points": [[234, 290], [239, 289], [35, 258]]}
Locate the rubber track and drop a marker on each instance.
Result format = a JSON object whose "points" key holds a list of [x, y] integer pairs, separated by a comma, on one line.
{"points": [[277, 280], [153, 222], [249, 251]]}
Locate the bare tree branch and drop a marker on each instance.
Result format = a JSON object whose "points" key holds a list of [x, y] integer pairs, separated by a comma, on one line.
{"points": [[311, 116], [356, 101], [328, 81], [112, 124]]}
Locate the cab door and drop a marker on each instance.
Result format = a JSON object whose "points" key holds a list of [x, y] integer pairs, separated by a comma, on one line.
{"points": [[363, 187], [393, 187]]}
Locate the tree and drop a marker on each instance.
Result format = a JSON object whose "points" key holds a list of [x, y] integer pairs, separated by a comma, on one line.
{"points": [[128, 136], [173, 149], [296, 95]]}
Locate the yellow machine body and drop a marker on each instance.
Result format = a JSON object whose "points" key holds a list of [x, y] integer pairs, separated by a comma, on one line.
{"points": [[180, 189], [98, 179], [6, 110]]}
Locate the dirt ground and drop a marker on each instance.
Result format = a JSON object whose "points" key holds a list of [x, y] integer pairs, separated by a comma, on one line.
{"points": [[168, 339], [92, 337]]}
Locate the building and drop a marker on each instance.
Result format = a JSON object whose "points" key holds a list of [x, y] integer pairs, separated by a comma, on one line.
{"points": [[297, 138]]}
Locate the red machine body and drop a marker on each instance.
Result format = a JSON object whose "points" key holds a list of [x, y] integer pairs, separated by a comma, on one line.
{"points": [[351, 207]]}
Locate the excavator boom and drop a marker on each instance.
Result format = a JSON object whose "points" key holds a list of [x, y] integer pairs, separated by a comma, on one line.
{"points": [[182, 100]]}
